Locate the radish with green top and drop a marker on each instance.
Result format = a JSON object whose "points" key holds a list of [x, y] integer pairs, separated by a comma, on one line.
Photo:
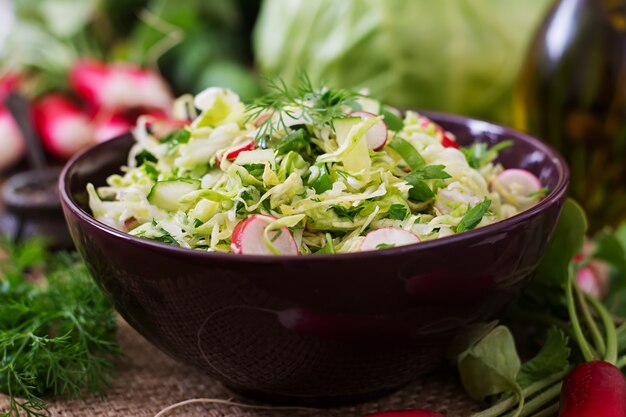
{"points": [[387, 237], [594, 389], [248, 237], [376, 137]]}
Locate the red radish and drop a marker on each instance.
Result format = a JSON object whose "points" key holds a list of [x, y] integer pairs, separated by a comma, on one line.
{"points": [[64, 128], [387, 237], [8, 83], [346, 327], [247, 237], [594, 279], [377, 135], [12, 144], [244, 146], [108, 128], [235, 239], [120, 87], [447, 139], [406, 413], [594, 388]]}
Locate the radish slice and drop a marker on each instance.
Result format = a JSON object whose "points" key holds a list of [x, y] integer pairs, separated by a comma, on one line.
{"points": [[447, 139], [387, 237], [377, 135], [245, 146], [517, 187], [519, 181], [247, 237]]}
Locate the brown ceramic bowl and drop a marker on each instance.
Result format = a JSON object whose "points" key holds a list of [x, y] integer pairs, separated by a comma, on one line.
{"points": [[317, 329]]}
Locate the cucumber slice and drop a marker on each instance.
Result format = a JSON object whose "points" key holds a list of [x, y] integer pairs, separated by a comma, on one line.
{"points": [[167, 194], [369, 105], [358, 159]]}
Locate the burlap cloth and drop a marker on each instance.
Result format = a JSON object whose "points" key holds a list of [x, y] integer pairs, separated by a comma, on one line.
{"points": [[149, 381]]}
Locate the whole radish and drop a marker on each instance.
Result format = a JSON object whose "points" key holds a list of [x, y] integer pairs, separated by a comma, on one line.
{"points": [[64, 128], [12, 144], [109, 127], [119, 87], [406, 413], [594, 389]]}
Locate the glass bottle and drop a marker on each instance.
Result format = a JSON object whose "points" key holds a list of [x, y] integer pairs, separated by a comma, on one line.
{"points": [[572, 94]]}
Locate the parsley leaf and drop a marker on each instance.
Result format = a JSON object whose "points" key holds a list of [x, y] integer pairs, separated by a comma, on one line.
{"points": [[473, 216], [385, 245], [397, 212], [552, 358]]}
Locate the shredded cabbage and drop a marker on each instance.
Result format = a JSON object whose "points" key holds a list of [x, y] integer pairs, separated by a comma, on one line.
{"points": [[234, 166]]}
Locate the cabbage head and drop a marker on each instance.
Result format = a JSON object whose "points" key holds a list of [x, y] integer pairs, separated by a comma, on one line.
{"points": [[458, 56]]}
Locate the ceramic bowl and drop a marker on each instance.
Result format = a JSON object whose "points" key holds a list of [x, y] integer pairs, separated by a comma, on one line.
{"points": [[318, 329]]}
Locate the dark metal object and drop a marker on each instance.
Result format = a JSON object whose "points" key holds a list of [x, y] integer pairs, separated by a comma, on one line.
{"points": [[20, 110], [318, 329]]}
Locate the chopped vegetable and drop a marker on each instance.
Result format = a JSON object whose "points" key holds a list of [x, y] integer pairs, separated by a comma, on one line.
{"points": [[387, 237]]}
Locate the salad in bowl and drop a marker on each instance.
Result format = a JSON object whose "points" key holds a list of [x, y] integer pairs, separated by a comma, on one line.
{"points": [[304, 171]]}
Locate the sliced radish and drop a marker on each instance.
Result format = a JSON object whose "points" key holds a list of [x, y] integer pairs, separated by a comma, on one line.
{"points": [[387, 237], [519, 182], [377, 135], [247, 237], [448, 140], [244, 146], [235, 244]]}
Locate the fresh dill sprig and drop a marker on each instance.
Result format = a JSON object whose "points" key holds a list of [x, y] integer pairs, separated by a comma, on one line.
{"points": [[316, 106], [57, 331]]}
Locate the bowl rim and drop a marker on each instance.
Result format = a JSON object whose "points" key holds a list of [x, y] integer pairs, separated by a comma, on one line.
{"points": [[551, 198]]}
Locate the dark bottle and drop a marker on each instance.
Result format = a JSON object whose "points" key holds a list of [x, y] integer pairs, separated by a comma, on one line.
{"points": [[572, 94]]}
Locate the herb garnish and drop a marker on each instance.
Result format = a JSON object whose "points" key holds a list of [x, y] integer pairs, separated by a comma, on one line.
{"points": [[316, 106], [473, 216], [57, 333]]}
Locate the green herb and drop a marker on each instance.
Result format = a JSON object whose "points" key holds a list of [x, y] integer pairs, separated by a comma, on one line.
{"points": [[151, 170], [539, 193], [349, 213], [144, 156], [420, 191], [316, 106], [397, 212], [408, 152], [293, 142], [256, 170], [57, 333], [176, 137], [323, 181], [392, 120], [473, 216], [329, 247], [385, 245], [480, 154]]}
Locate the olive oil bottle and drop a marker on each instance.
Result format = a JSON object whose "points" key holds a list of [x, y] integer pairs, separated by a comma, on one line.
{"points": [[572, 94]]}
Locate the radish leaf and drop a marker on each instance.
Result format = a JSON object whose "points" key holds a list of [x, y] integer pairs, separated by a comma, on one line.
{"points": [[491, 365], [552, 358]]}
